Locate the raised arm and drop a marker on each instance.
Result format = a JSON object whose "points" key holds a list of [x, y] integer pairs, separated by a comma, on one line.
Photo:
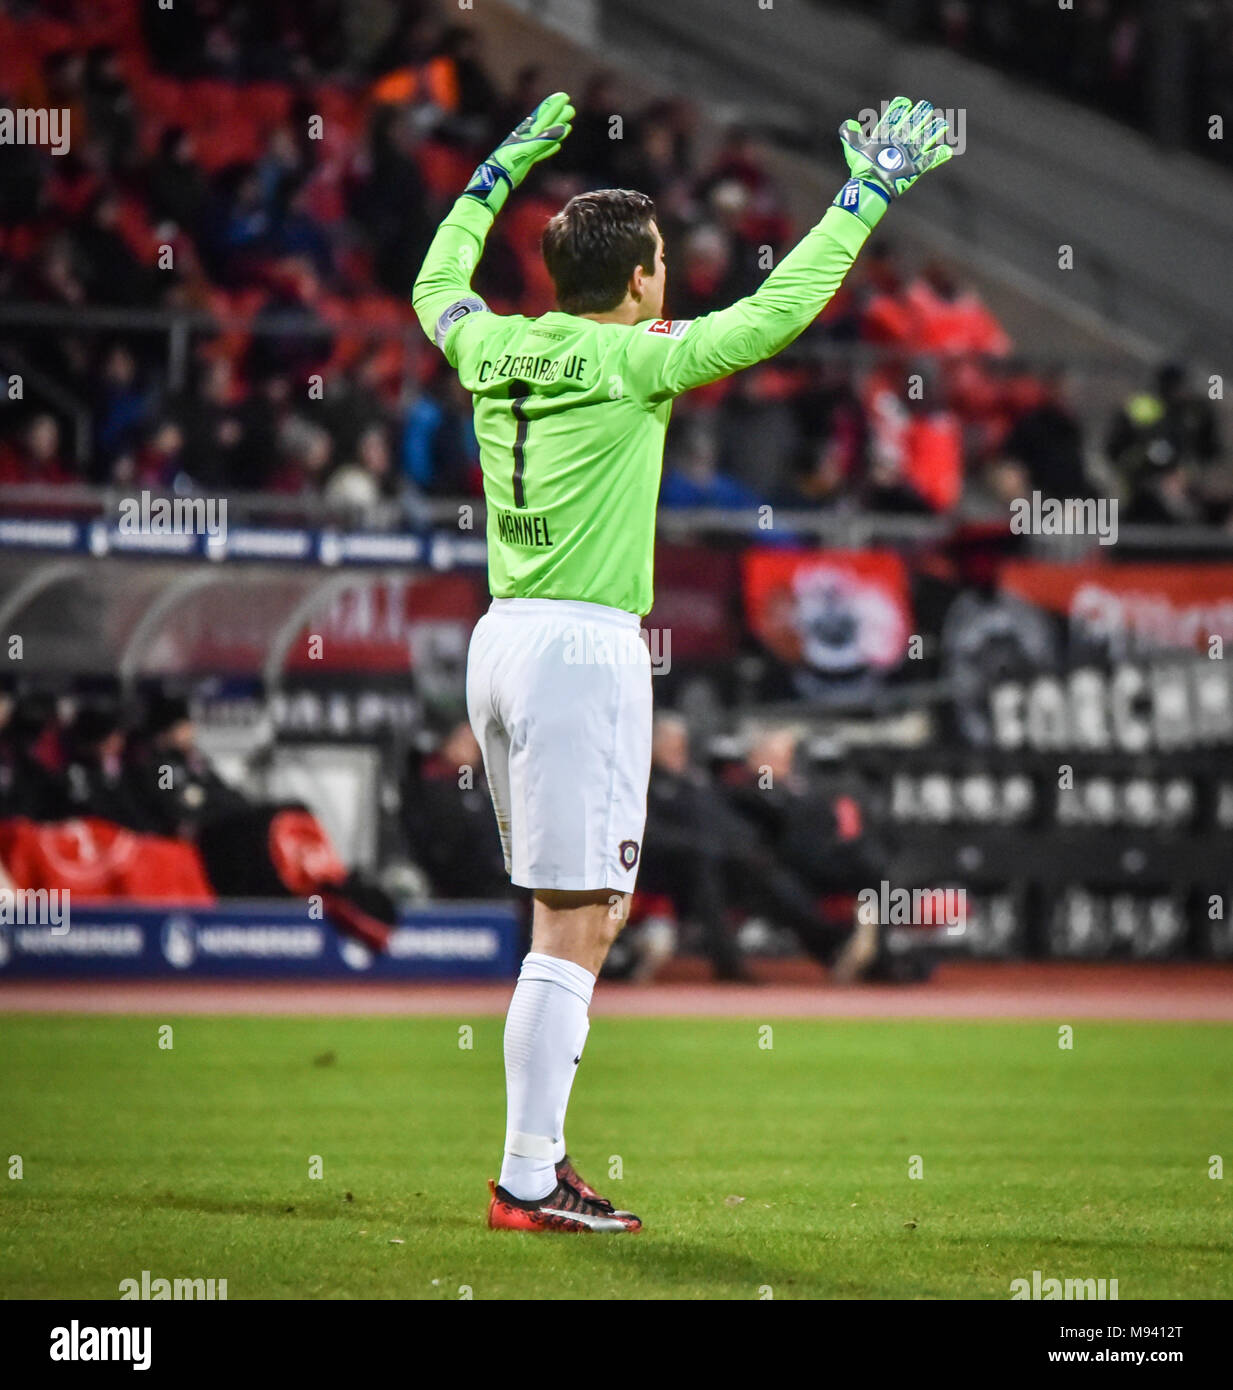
{"points": [[442, 295], [668, 358]]}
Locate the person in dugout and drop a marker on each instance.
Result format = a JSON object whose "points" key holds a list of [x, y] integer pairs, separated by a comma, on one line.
{"points": [[715, 849], [447, 814], [820, 827], [170, 778]]}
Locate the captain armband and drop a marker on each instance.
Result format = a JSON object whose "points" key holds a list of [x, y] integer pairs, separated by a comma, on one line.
{"points": [[458, 310]]}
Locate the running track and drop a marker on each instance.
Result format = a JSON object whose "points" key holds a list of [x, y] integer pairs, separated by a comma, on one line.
{"points": [[1052, 990]]}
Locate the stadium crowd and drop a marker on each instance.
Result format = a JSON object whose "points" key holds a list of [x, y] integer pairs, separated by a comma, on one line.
{"points": [[1103, 59], [752, 837], [276, 171]]}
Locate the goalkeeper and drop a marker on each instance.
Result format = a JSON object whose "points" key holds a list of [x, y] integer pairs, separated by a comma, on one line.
{"points": [[571, 409]]}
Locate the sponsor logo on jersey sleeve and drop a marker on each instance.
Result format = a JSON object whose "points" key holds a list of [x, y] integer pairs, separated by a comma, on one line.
{"points": [[669, 328]]}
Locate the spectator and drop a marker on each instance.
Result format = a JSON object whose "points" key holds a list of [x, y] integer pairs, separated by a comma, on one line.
{"points": [[831, 429], [440, 454], [160, 460], [212, 425], [236, 226], [36, 458], [915, 442], [885, 314], [527, 92], [414, 72], [94, 776], [447, 814], [706, 276], [653, 169], [950, 317], [359, 397], [31, 755], [392, 203], [1047, 442], [52, 276], [694, 479], [305, 453], [681, 852], [478, 98], [120, 409], [821, 834], [702, 848], [757, 436], [109, 270], [361, 484], [178, 190], [170, 779], [1163, 444], [293, 340], [112, 119], [222, 56], [64, 78], [588, 151], [281, 170], [298, 234]]}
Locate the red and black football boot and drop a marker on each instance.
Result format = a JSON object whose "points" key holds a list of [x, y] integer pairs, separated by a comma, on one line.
{"points": [[566, 1172], [564, 1209]]}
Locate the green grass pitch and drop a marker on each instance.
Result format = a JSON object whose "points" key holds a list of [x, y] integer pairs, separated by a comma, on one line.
{"points": [[194, 1161]]}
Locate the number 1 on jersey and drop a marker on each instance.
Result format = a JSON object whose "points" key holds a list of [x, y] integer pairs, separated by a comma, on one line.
{"points": [[518, 406]]}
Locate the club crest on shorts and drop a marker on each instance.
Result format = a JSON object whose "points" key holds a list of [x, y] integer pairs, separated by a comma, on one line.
{"points": [[628, 851]]}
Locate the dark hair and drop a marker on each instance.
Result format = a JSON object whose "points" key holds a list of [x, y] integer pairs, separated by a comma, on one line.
{"points": [[594, 244]]}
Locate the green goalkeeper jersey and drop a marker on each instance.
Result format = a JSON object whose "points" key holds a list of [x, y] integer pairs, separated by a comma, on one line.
{"points": [[570, 414]]}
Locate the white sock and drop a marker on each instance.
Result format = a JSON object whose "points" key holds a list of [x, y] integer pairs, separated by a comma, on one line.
{"points": [[545, 1031], [558, 1148]]}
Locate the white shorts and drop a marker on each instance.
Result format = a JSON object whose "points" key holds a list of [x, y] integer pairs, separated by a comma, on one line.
{"points": [[559, 697]]}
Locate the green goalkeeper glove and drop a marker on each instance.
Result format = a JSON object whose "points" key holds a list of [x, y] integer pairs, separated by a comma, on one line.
{"points": [[907, 142], [536, 138]]}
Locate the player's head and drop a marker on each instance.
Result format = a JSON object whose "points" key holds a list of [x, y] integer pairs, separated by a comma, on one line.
{"points": [[606, 256]]}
